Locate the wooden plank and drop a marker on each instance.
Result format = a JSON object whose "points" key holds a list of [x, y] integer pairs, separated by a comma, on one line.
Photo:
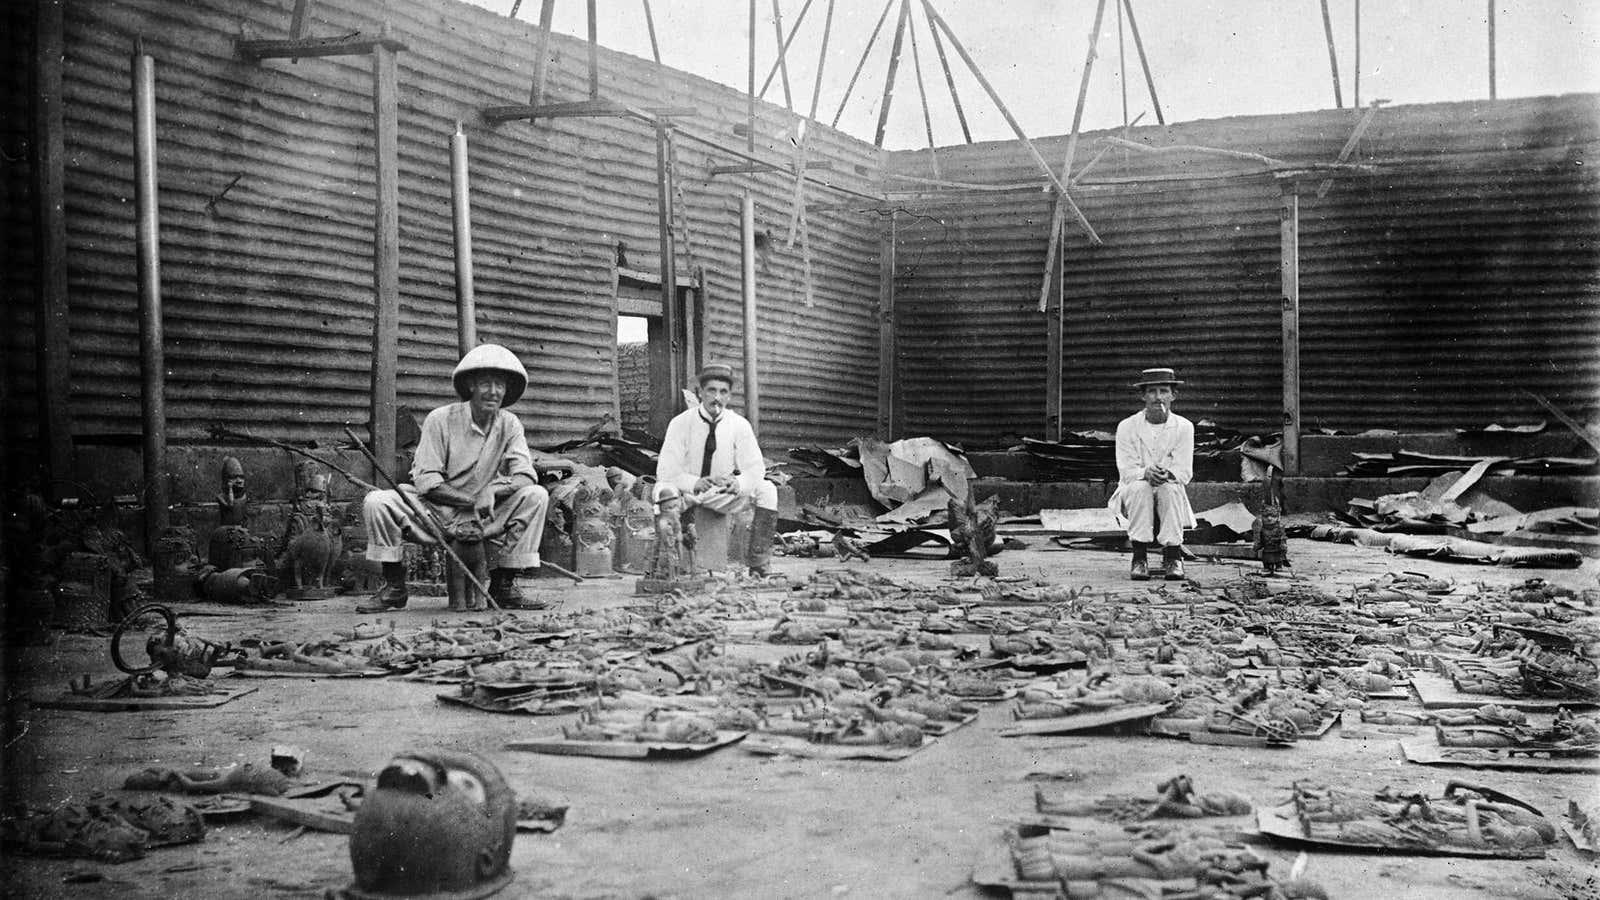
{"points": [[54, 337], [574, 108], [351, 45], [625, 749], [142, 704], [783, 745], [750, 168], [1435, 691], [1054, 313], [671, 318], [1084, 721], [541, 52], [887, 362], [894, 66], [1425, 750], [310, 813], [385, 252], [594, 53]]}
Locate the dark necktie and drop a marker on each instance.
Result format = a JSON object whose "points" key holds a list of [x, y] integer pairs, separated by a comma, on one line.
{"points": [[711, 445]]}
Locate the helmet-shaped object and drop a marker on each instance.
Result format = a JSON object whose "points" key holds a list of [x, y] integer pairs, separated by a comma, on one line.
{"points": [[665, 492], [495, 358], [438, 825], [231, 468]]}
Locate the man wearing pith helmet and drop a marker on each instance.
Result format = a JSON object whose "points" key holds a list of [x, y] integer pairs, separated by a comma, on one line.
{"points": [[472, 461], [710, 451], [1155, 459]]}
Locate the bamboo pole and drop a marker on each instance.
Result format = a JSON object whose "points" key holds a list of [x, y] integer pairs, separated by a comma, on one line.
{"points": [[1333, 57], [1357, 39], [461, 218], [594, 53], [386, 251], [1058, 213], [894, 67], [822, 61], [871, 39], [53, 339], [1492, 87], [152, 358], [1144, 62], [747, 266], [950, 81]]}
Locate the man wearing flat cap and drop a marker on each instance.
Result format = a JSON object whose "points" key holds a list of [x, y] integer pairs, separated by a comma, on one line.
{"points": [[472, 462], [710, 452], [1155, 459]]}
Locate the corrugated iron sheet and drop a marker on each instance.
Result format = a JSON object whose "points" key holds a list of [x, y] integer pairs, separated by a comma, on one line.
{"points": [[267, 283], [17, 282], [1455, 272]]}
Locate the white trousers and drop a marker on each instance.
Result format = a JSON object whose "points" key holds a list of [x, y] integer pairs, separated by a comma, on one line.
{"points": [[1142, 504], [520, 516]]}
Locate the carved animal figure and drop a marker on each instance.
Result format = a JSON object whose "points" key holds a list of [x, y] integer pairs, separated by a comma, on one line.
{"points": [[972, 536], [466, 539], [312, 542]]}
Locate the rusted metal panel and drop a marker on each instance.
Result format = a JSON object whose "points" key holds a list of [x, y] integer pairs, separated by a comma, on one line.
{"points": [[1455, 272], [267, 210]]}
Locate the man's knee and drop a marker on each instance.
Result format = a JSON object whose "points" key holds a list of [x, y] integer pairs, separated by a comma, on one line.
{"points": [[1169, 492], [378, 503], [534, 494], [766, 495]]}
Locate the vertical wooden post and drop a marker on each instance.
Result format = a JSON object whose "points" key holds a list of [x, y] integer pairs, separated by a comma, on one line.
{"points": [[747, 263], [650, 23], [1289, 266], [1144, 61], [385, 252], [750, 97], [1053, 329], [670, 318], [53, 338], [461, 207], [152, 357], [887, 363], [1356, 101]]}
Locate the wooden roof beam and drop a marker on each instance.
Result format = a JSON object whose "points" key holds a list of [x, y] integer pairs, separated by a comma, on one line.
{"points": [[357, 44], [583, 108]]}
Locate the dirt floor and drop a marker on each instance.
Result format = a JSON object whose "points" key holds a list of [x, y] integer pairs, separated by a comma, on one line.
{"points": [[729, 824]]}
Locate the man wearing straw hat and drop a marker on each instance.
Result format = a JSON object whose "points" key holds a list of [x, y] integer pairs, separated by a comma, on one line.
{"points": [[472, 461], [1155, 459], [710, 452]]}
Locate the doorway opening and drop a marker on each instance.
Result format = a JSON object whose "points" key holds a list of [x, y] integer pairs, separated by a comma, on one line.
{"points": [[633, 373]]}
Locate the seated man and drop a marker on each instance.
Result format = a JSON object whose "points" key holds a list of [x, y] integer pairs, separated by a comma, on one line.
{"points": [[472, 462], [710, 451], [1155, 459]]}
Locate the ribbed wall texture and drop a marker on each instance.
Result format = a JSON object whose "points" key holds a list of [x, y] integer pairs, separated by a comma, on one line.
{"points": [[1454, 273], [267, 192], [18, 414]]}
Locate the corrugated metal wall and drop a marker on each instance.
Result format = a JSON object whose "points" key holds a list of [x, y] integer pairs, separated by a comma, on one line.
{"points": [[18, 413], [267, 284], [1456, 272]]}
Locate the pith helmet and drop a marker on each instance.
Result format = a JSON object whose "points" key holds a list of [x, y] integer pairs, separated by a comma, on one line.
{"points": [[495, 358]]}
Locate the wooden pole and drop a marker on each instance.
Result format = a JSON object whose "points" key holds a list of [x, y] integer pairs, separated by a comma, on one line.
{"points": [[894, 66], [1122, 67], [1333, 56], [822, 61], [671, 321], [53, 340], [747, 261], [386, 252], [950, 81], [650, 23], [1144, 61], [1289, 266], [152, 358], [594, 53], [783, 58], [994, 97], [541, 51], [1492, 91], [922, 94], [750, 97], [783, 48], [871, 39], [887, 361], [1356, 101], [1053, 378], [461, 207], [1058, 214]]}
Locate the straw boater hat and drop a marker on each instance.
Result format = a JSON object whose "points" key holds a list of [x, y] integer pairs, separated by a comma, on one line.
{"points": [[716, 372], [492, 358], [1156, 376]]}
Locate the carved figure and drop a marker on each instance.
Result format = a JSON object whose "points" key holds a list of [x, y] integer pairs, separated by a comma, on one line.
{"points": [[971, 536], [847, 548], [592, 532], [667, 564], [1272, 544], [466, 539], [231, 545], [312, 542], [438, 823]]}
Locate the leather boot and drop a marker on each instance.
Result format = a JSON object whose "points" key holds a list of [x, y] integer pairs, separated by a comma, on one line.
{"points": [[1140, 569], [503, 588], [1172, 563], [391, 594], [758, 555]]}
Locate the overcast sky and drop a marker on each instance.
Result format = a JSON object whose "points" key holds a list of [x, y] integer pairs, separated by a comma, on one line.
{"points": [[1209, 58]]}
